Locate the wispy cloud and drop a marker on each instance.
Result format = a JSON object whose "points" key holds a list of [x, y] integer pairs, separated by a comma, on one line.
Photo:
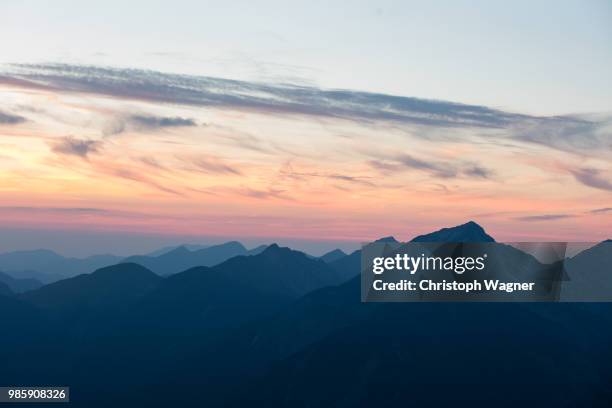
{"points": [[264, 194], [271, 98], [161, 122], [10, 119], [544, 217], [435, 168], [215, 166], [141, 122], [592, 178], [76, 147], [287, 171], [134, 175], [72, 210], [601, 210], [567, 133]]}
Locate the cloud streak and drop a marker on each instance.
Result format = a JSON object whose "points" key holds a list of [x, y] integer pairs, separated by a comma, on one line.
{"points": [[544, 217], [156, 122], [66, 210], [271, 98], [592, 178], [601, 210], [568, 133], [287, 171], [435, 168], [76, 147], [215, 166], [141, 122], [10, 119]]}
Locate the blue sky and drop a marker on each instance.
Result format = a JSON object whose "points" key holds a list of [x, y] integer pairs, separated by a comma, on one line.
{"points": [[536, 57]]}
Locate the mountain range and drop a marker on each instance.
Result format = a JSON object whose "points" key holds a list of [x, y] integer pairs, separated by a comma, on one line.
{"points": [[182, 258], [37, 267], [279, 328]]}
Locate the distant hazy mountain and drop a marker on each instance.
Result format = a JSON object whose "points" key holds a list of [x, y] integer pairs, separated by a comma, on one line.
{"points": [[47, 266], [19, 285], [257, 250], [161, 251], [35, 259], [468, 232], [332, 256], [181, 258]]}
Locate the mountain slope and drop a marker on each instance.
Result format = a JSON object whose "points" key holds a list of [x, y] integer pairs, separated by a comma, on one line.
{"points": [[105, 289], [5, 290], [589, 274], [330, 349], [280, 271], [408, 351], [332, 256], [19, 285]]}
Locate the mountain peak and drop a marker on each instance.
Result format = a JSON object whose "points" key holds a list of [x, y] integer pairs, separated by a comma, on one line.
{"points": [[387, 239], [274, 249], [124, 269], [332, 255], [468, 232], [179, 250]]}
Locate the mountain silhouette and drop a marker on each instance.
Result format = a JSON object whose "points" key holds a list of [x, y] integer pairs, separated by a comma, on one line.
{"points": [[350, 265], [19, 285], [468, 232], [281, 271], [319, 313], [109, 287], [333, 255], [283, 329], [161, 251], [328, 341], [48, 266], [387, 239], [181, 258], [589, 273]]}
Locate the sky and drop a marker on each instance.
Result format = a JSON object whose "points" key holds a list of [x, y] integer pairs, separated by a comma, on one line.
{"points": [[126, 125]]}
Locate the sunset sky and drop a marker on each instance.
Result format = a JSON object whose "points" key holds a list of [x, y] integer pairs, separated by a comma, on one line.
{"points": [[195, 122]]}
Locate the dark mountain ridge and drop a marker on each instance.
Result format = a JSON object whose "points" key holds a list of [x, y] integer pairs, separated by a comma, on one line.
{"points": [[283, 329], [468, 232], [109, 287]]}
